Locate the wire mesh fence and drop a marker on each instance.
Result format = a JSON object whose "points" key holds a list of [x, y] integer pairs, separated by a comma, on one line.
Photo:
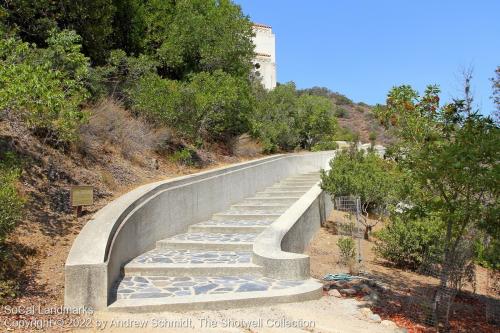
{"points": [[350, 226]]}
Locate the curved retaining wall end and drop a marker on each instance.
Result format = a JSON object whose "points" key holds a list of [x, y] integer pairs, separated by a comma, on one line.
{"points": [[279, 248]]}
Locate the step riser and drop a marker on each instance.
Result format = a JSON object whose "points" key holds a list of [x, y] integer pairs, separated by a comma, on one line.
{"points": [[226, 229], [206, 246], [192, 270], [250, 217]]}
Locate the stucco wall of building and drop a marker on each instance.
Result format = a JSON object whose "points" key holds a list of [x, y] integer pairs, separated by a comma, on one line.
{"points": [[265, 60]]}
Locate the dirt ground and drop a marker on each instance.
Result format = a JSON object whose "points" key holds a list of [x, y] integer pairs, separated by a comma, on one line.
{"points": [[407, 288], [326, 315]]}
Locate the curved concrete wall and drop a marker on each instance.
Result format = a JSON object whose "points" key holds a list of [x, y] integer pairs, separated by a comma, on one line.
{"points": [[279, 248], [131, 224]]}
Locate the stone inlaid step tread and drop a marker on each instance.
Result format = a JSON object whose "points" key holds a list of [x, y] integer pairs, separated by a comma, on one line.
{"points": [[141, 287], [297, 183], [288, 194], [209, 241], [258, 216], [290, 187], [286, 189], [276, 200], [260, 207], [241, 223], [231, 226], [165, 262], [193, 257]]}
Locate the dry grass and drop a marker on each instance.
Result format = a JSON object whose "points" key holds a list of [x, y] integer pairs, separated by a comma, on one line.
{"points": [[111, 126]]}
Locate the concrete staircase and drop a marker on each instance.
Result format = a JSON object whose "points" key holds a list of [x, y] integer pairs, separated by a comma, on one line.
{"points": [[210, 266]]}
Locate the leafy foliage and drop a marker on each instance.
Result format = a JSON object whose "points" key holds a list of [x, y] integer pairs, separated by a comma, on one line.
{"points": [[207, 106], [347, 249], [451, 154], [11, 202], [365, 176], [191, 36], [286, 119], [45, 87], [91, 19], [408, 243]]}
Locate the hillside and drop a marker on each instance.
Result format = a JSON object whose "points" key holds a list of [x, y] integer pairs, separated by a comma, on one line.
{"points": [[354, 119], [115, 154]]}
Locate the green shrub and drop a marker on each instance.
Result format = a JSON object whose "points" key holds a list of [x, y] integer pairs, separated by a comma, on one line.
{"points": [[359, 109], [342, 99], [341, 113], [11, 203], [275, 121], [159, 100], [45, 87], [488, 253], [286, 119], [210, 106], [325, 145], [347, 248], [409, 243], [183, 156], [346, 134]]}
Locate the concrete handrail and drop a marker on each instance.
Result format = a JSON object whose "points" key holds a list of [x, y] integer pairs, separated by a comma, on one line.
{"points": [[131, 224]]}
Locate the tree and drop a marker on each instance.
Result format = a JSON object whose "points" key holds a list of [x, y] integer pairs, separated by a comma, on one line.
{"points": [[45, 87], [451, 153], [316, 120], [275, 119], [496, 91], [91, 19], [190, 36], [363, 175]]}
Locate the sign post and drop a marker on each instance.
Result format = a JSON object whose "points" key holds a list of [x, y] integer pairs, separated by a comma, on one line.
{"points": [[81, 196]]}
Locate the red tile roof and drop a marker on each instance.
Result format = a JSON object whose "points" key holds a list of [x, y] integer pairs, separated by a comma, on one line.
{"points": [[262, 25]]}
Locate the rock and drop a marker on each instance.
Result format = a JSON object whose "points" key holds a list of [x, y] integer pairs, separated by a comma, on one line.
{"points": [[348, 291], [383, 287], [366, 312], [334, 292], [365, 289], [375, 318], [374, 296], [389, 323]]}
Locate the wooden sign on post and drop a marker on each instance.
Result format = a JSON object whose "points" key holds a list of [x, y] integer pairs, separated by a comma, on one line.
{"points": [[81, 196]]}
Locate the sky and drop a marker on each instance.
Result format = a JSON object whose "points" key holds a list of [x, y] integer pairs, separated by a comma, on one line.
{"points": [[362, 48]]}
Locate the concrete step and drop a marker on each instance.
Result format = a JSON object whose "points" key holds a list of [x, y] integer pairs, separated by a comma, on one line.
{"points": [[165, 262], [209, 241], [284, 190], [290, 187], [237, 216], [260, 207], [277, 200], [154, 293], [229, 226], [277, 194], [190, 269], [298, 182]]}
